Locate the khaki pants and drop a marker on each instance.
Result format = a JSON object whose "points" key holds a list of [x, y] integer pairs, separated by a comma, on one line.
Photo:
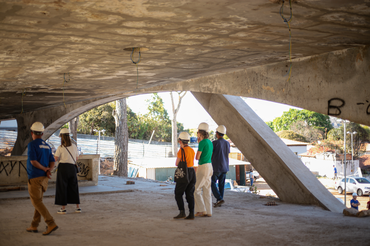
{"points": [[203, 193], [36, 189]]}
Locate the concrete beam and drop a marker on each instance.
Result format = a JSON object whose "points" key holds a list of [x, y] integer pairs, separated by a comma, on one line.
{"points": [[53, 119], [335, 83], [277, 164]]}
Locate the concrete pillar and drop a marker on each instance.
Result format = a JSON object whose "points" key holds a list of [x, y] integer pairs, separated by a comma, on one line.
{"points": [[277, 164]]}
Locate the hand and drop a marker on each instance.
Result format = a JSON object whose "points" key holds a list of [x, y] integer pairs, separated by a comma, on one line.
{"points": [[48, 174], [47, 169]]}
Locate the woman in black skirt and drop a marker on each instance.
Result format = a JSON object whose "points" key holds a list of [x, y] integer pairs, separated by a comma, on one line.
{"points": [[67, 185]]}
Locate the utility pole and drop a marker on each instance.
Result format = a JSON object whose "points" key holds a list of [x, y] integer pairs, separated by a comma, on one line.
{"points": [[345, 165]]}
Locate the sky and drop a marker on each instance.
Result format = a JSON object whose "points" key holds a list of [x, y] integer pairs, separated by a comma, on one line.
{"points": [[192, 113]]}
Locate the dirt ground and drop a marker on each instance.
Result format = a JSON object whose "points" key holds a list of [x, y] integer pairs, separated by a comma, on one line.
{"points": [[329, 184], [144, 217]]}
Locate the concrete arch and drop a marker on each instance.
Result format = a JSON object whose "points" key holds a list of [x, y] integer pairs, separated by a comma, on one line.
{"points": [[327, 83], [53, 119]]}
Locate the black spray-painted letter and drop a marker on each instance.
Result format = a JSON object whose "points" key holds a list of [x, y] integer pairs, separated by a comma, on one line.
{"points": [[334, 106]]}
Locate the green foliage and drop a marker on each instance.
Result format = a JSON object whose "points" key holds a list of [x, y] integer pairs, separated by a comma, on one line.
{"points": [[157, 120], [270, 124], [139, 126], [335, 134], [367, 129], [311, 118], [362, 136], [313, 126], [98, 118], [291, 135], [156, 108]]}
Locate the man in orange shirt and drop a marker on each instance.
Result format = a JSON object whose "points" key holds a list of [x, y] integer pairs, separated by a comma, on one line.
{"points": [[185, 187]]}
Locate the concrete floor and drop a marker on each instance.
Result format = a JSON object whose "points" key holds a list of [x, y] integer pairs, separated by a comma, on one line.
{"points": [[114, 213]]}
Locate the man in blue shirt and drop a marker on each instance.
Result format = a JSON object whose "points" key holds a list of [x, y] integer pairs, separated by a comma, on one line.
{"points": [[39, 163], [220, 164]]}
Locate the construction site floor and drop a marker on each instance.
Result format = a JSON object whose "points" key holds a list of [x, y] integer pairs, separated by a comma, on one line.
{"points": [[115, 213]]}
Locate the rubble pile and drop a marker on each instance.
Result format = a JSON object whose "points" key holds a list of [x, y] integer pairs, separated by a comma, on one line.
{"points": [[6, 152], [106, 166]]}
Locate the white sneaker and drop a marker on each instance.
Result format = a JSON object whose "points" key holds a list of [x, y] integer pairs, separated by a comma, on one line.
{"points": [[62, 211]]}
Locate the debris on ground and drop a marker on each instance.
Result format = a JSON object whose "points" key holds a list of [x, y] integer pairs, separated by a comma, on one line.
{"points": [[6, 152], [355, 213]]}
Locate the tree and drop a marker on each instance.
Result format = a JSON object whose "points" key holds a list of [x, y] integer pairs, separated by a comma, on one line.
{"points": [[175, 110], [313, 119], [73, 124], [157, 120], [310, 133], [326, 146], [121, 138], [98, 118], [271, 125], [139, 126], [335, 134], [287, 134], [362, 136]]}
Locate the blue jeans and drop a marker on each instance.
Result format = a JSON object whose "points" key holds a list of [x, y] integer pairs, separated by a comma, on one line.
{"points": [[252, 181], [218, 193]]}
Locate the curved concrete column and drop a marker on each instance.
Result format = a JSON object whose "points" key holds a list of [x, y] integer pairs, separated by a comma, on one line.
{"points": [[335, 83], [53, 119], [277, 164]]}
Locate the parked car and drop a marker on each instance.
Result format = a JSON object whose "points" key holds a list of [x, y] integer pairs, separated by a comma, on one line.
{"points": [[256, 175], [359, 185]]}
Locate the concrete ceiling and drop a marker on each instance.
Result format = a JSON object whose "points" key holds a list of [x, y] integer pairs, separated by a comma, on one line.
{"points": [[41, 41]]}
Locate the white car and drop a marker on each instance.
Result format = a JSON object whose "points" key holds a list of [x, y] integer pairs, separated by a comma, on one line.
{"points": [[359, 185]]}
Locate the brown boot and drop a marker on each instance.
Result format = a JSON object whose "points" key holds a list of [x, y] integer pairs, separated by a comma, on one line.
{"points": [[50, 229], [32, 229]]}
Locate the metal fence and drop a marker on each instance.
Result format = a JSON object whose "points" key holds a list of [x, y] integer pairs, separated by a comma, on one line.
{"points": [[88, 144]]}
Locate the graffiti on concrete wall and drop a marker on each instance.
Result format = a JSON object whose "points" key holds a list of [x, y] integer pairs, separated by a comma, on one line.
{"points": [[85, 169], [368, 107], [9, 166], [335, 105]]}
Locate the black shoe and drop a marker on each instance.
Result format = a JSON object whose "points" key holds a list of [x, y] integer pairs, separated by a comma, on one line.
{"points": [[219, 203], [190, 216], [181, 215]]}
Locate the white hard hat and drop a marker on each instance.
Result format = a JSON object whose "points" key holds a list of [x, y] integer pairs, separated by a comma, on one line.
{"points": [[203, 126], [37, 127], [354, 194], [221, 129], [64, 131], [184, 136]]}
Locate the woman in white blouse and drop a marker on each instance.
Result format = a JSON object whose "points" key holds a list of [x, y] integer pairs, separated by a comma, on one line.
{"points": [[67, 185]]}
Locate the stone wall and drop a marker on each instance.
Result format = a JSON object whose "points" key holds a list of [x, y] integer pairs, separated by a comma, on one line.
{"points": [[13, 171]]}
